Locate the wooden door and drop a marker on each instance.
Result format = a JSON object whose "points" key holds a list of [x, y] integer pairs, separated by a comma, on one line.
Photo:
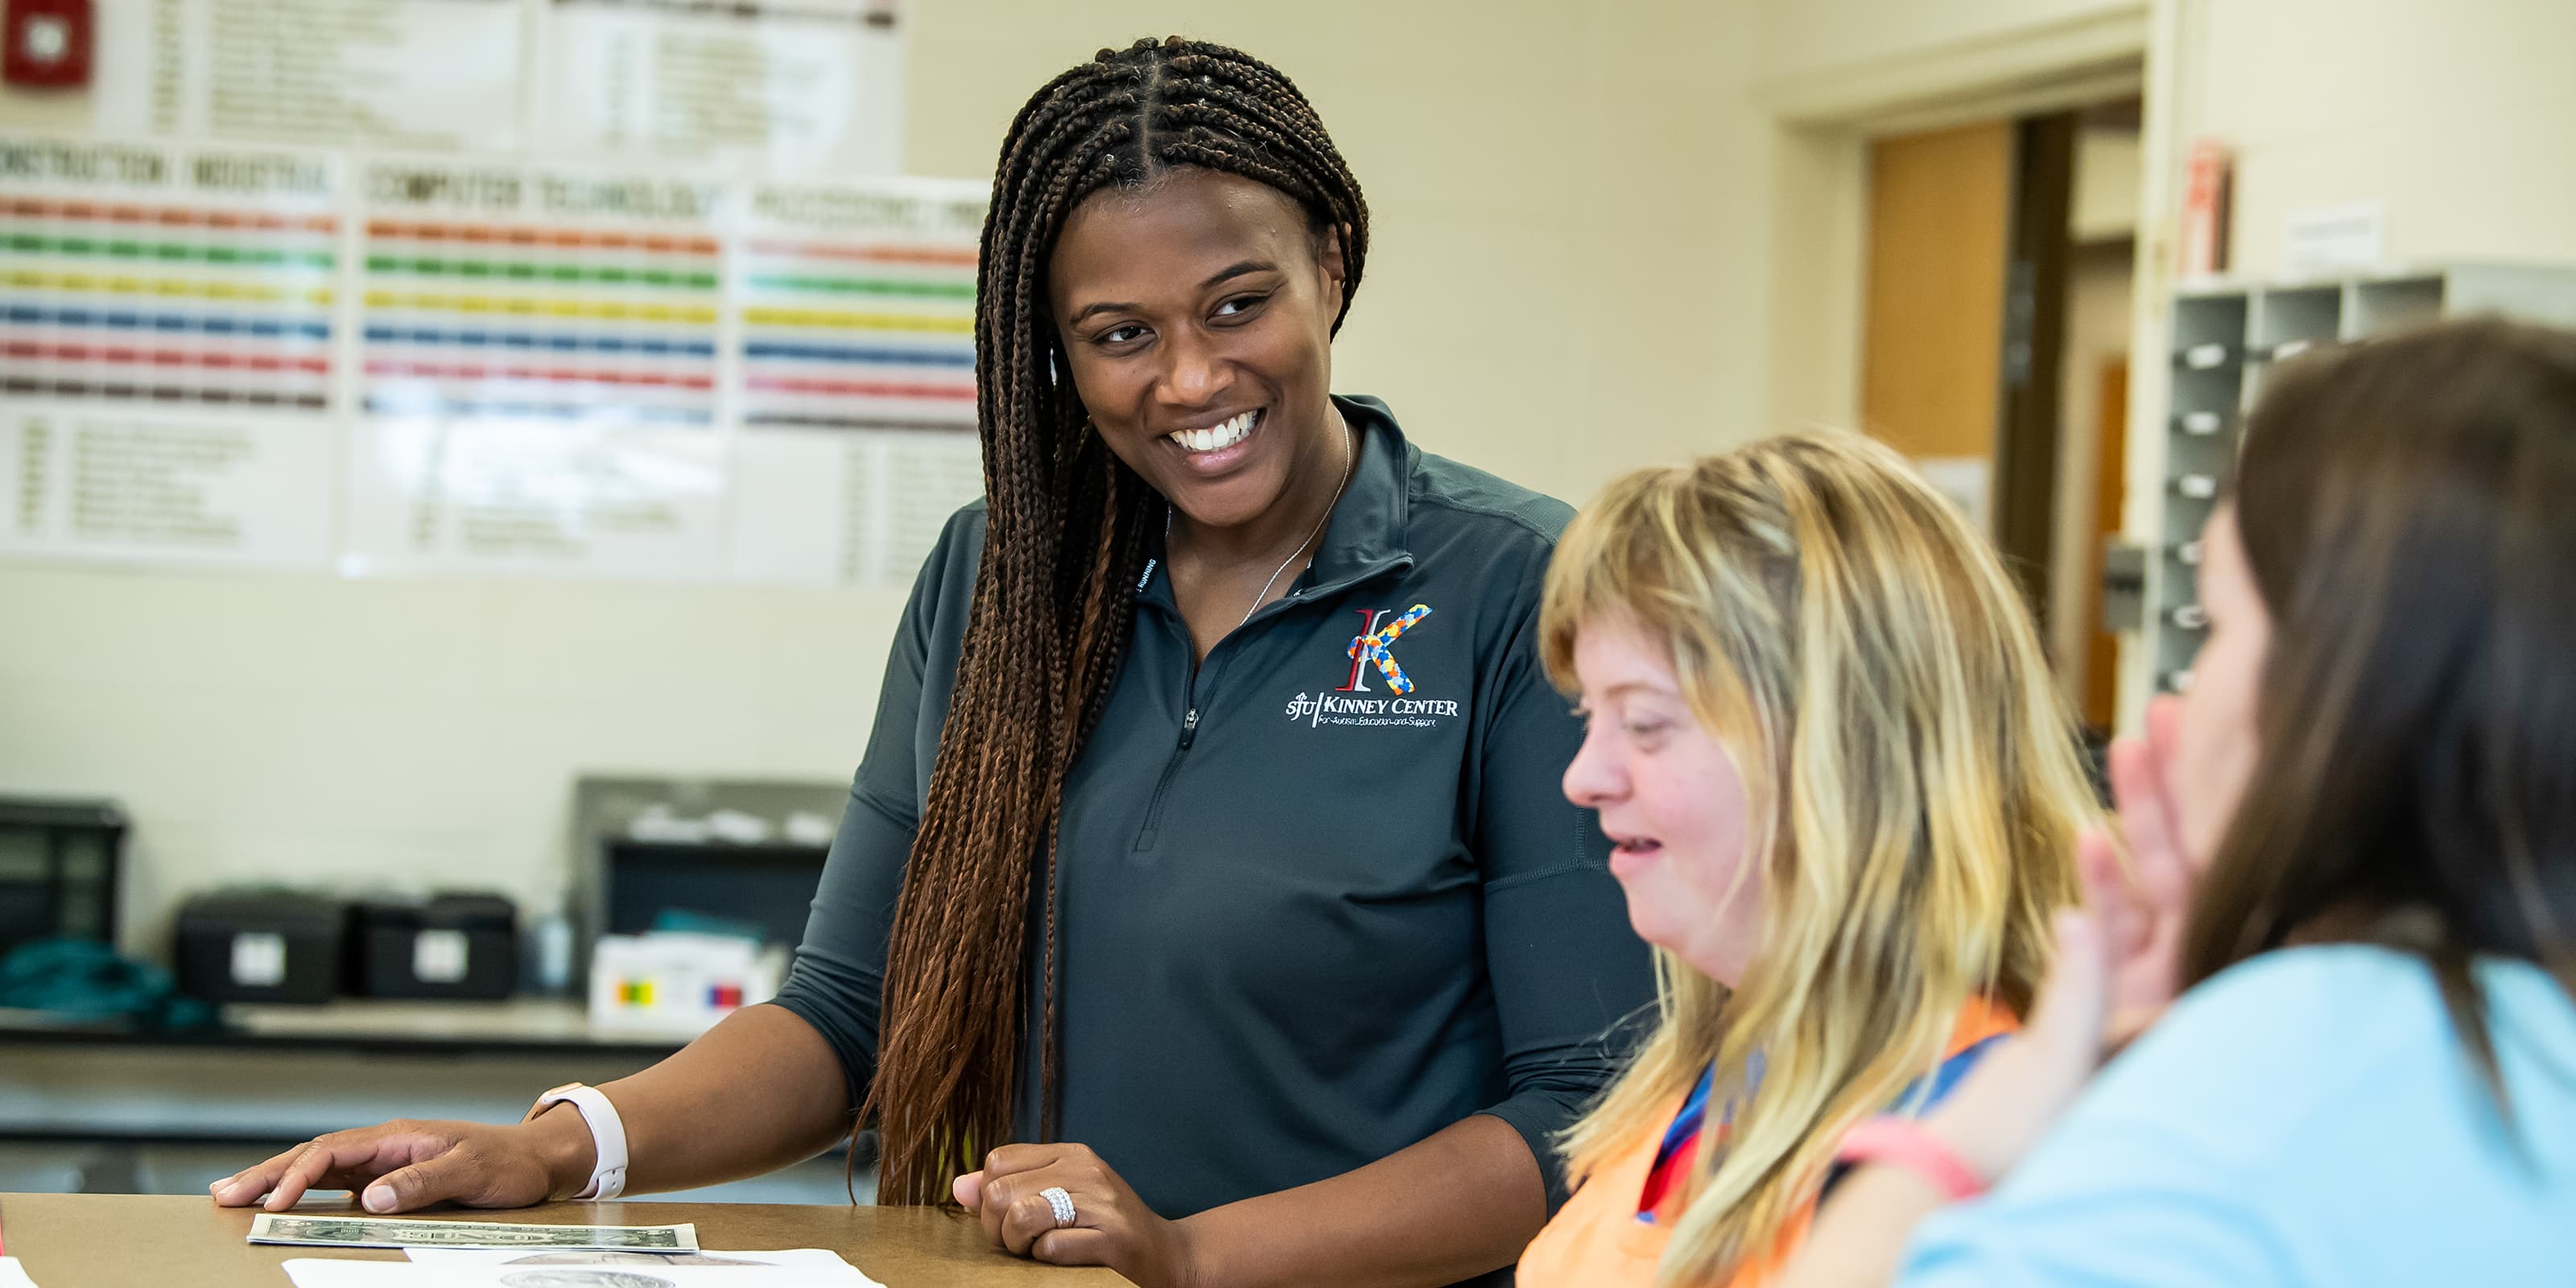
{"points": [[2110, 493], [1932, 333]]}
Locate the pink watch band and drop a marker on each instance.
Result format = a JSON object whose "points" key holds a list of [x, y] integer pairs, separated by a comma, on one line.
{"points": [[1905, 1143]]}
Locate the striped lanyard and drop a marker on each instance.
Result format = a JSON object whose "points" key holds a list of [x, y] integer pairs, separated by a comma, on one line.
{"points": [[1680, 1147]]}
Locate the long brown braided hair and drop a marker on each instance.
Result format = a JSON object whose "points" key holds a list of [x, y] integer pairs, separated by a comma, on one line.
{"points": [[1055, 592]]}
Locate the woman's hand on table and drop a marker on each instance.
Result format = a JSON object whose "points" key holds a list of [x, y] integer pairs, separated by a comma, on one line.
{"points": [[402, 1166], [1111, 1226]]}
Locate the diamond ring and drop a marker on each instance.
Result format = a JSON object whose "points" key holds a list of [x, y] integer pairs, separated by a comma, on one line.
{"points": [[1060, 1201]]}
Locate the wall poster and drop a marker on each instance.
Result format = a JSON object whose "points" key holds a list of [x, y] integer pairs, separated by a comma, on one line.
{"points": [[548, 287]]}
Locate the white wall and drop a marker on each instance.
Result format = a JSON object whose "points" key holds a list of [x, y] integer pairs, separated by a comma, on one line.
{"points": [[1568, 281], [1567, 202], [1832, 74], [2456, 114], [405, 734], [2108, 166], [1578, 212], [1800, 38]]}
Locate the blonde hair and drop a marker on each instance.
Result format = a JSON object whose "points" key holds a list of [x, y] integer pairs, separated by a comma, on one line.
{"points": [[1914, 785]]}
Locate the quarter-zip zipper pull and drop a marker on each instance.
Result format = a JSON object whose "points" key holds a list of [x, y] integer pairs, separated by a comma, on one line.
{"points": [[1189, 728]]}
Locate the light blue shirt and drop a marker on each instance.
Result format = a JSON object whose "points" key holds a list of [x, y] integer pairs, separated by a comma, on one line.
{"points": [[2310, 1118]]}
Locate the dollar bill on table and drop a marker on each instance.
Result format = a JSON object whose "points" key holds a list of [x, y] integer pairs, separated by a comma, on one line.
{"points": [[299, 1230]]}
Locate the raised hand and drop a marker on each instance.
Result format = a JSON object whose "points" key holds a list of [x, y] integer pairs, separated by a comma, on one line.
{"points": [[2114, 971], [2141, 906]]}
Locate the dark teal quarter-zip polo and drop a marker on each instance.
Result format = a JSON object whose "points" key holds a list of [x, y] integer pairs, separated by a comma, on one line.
{"points": [[1321, 895]]}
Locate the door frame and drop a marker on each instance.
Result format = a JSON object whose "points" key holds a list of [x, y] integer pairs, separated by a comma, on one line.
{"points": [[1822, 123]]}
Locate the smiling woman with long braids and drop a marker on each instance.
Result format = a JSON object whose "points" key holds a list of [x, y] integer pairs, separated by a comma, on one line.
{"points": [[1204, 907]]}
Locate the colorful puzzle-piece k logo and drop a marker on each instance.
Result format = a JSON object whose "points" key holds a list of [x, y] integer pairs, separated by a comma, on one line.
{"points": [[1371, 648]]}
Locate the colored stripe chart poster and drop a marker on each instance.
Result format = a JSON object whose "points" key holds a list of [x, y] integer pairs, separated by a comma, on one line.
{"points": [[858, 306], [398, 364], [564, 316], [853, 337], [167, 352], [538, 382]]}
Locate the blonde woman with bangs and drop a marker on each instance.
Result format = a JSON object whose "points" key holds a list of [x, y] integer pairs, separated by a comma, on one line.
{"points": [[1843, 798]]}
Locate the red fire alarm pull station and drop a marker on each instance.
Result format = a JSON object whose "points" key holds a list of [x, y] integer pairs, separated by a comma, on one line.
{"points": [[47, 44]]}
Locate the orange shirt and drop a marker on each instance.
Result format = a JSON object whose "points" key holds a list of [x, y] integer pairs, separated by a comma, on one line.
{"points": [[1596, 1240]]}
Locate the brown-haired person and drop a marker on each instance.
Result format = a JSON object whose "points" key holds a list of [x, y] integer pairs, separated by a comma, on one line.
{"points": [[1205, 906], [2353, 842]]}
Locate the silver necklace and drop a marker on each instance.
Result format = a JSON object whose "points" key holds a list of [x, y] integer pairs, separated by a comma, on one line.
{"points": [[1263, 596]]}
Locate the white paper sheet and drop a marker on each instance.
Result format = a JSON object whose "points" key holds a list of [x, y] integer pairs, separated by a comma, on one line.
{"points": [[566, 1270], [1967, 480], [431, 74], [537, 374], [2324, 239], [858, 508], [12, 1275], [498, 496], [813, 86], [83, 483], [810, 1260]]}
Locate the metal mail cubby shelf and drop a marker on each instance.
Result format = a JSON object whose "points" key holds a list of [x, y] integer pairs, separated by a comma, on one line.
{"points": [[2228, 333]]}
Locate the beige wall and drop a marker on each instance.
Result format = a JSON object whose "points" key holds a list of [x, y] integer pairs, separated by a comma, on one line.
{"points": [[1565, 238], [1595, 250], [1829, 76], [2455, 114], [1800, 38], [1568, 281], [400, 734]]}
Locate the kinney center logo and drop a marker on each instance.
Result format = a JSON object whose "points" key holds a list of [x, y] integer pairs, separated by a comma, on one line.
{"points": [[1372, 649]]}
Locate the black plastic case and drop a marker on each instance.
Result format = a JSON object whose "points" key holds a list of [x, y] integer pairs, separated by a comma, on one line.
{"points": [[451, 946], [260, 946]]}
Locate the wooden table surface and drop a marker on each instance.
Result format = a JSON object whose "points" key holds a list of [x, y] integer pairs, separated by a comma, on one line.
{"points": [[182, 1241]]}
